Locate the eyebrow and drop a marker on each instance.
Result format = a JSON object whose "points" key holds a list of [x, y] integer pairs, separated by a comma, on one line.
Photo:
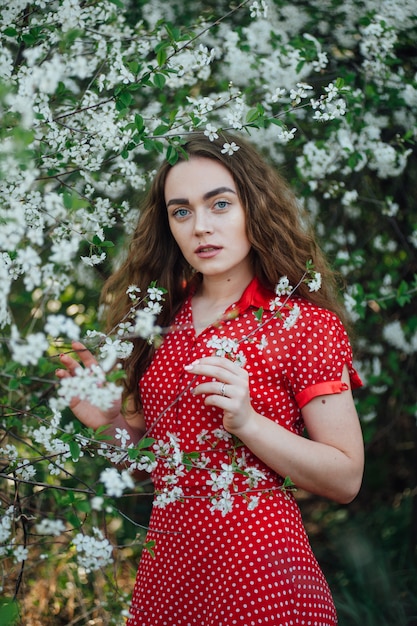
{"points": [[207, 196]]}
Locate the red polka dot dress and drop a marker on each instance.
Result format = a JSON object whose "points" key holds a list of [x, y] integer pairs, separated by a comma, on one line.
{"points": [[230, 546]]}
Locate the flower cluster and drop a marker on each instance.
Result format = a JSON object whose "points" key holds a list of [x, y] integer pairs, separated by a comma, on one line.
{"points": [[93, 551], [223, 346], [88, 384]]}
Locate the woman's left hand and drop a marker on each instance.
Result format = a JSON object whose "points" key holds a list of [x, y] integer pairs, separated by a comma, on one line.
{"points": [[229, 391]]}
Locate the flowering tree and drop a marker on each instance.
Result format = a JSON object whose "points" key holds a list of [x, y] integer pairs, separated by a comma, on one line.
{"points": [[92, 96]]}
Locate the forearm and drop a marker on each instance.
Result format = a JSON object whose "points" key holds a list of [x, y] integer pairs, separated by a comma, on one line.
{"points": [[133, 425], [313, 466]]}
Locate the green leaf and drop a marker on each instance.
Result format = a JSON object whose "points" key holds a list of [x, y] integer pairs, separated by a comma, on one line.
{"points": [[106, 244], [82, 505], [151, 144], [102, 244], [174, 33], [288, 485], [161, 56], [276, 121], [99, 433], [159, 81], [188, 458], [73, 519], [252, 115], [139, 123], [149, 546], [161, 130], [403, 295], [75, 450], [123, 100], [172, 155], [134, 67], [145, 442], [258, 314], [9, 611]]}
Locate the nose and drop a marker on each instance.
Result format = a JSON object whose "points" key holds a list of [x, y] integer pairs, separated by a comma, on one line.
{"points": [[202, 222]]}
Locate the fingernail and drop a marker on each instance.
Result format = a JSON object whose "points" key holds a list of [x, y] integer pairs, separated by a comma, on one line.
{"points": [[190, 365]]}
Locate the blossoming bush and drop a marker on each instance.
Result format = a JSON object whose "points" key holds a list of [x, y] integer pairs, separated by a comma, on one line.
{"points": [[92, 96]]}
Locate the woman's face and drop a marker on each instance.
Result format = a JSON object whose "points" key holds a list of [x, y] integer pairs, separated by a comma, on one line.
{"points": [[206, 218]]}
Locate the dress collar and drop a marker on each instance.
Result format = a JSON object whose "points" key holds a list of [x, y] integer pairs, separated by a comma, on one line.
{"points": [[255, 295]]}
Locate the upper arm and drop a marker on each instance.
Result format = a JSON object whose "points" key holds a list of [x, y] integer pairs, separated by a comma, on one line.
{"points": [[134, 418], [333, 420]]}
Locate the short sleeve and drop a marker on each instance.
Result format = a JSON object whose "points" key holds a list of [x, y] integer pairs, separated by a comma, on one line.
{"points": [[319, 350]]}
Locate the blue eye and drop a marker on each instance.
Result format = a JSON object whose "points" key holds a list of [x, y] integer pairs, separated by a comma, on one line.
{"points": [[222, 204], [180, 213]]}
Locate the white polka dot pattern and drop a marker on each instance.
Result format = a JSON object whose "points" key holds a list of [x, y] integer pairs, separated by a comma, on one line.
{"points": [[248, 567]]}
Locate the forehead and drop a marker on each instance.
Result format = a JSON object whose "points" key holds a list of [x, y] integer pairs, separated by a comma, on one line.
{"points": [[196, 177]]}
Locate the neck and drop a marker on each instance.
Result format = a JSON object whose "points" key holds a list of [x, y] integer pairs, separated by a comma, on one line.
{"points": [[221, 291]]}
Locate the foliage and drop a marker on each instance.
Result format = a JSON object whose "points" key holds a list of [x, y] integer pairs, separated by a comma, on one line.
{"points": [[92, 96]]}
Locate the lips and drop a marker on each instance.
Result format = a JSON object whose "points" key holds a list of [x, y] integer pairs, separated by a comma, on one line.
{"points": [[207, 251]]}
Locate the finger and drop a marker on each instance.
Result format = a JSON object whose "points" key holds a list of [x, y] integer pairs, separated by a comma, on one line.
{"points": [[213, 388], [222, 372], [85, 355], [217, 361], [61, 373], [70, 364]]}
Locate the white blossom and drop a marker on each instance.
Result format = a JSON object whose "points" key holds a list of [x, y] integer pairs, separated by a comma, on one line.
{"points": [[253, 502], [229, 148], [20, 553], [168, 496], [211, 132], [283, 287], [300, 92], [224, 503], [314, 283], [259, 8], [253, 476], [9, 452], [60, 325], [54, 527], [123, 435], [145, 324], [93, 259], [223, 346], [94, 551], [155, 293], [284, 135], [112, 350], [97, 503], [292, 317], [25, 470], [394, 334], [116, 482], [28, 350], [6, 524], [221, 434], [88, 384]]}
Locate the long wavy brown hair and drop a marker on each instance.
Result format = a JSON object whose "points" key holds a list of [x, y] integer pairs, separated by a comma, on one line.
{"points": [[282, 245]]}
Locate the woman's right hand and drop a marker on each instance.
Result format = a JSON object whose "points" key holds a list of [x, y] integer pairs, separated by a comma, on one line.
{"points": [[87, 413]]}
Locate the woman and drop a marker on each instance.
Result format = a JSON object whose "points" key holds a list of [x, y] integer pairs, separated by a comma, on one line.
{"points": [[247, 364]]}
